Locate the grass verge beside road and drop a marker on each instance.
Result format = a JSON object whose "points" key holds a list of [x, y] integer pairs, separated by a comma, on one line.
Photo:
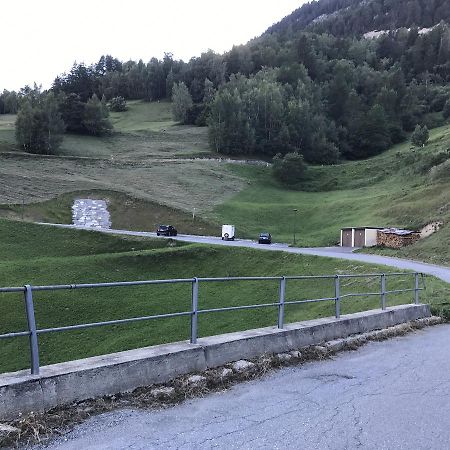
{"points": [[42, 255]]}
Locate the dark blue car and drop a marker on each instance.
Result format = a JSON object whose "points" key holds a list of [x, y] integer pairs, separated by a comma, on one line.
{"points": [[265, 238], [166, 230]]}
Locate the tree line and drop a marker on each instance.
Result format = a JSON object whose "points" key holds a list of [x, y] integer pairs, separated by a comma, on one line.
{"points": [[309, 92], [44, 117]]}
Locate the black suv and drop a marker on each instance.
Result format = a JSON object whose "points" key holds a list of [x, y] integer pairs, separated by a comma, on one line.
{"points": [[166, 230], [265, 238]]}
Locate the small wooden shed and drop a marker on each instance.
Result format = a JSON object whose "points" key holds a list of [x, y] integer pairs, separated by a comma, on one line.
{"points": [[359, 236]]}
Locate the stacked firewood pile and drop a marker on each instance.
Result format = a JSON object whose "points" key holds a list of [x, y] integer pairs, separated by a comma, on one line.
{"points": [[395, 238]]}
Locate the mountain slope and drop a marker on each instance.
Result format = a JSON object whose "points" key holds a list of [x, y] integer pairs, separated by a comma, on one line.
{"points": [[356, 17], [401, 187]]}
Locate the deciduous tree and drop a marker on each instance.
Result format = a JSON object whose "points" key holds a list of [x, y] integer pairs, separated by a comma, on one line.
{"points": [[182, 102]]}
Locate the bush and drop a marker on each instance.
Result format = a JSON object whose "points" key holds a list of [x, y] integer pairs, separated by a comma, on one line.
{"points": [[442, 310], [289, 169], [325, 152], [427, 162], [441, 172], [118, 104]]}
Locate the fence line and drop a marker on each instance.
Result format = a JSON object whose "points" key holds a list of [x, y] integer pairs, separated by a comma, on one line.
{"points": [[33, 332]]}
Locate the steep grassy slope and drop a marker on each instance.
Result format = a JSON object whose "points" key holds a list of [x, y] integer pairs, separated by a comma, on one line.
{"points": [[403, 187], [42, 255], [145, 159]]}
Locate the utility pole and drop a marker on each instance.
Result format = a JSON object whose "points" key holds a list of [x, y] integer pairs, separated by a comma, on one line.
{"points": [[295, 222], [23, 204]]}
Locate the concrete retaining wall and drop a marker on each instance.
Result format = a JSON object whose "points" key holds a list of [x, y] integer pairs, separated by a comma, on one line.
{"points": [[59, 384]]}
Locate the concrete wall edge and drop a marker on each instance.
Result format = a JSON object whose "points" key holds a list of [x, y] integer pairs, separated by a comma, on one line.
{"points": [[68, 382]]}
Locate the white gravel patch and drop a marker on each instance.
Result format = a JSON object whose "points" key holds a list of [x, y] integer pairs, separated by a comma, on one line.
{"points": [[91, 213]]}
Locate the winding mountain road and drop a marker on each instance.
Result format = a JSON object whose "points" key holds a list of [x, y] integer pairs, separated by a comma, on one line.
{"points": [[441, 272]]}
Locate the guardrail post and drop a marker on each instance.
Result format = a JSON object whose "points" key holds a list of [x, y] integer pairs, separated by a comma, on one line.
{"points": [[194, 316], [34, 346], [337, 296], [416, 289], [383, 292], [281, 302]]}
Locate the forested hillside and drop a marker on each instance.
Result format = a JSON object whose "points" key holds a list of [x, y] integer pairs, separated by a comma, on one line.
{"points": [[311, 84], [356, 17]]}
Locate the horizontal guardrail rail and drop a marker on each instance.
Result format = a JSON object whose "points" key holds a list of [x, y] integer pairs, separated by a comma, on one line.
{"points": [[33, 332]]}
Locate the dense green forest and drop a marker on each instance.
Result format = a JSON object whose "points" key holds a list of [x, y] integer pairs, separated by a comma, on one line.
{"points": [[311, 84]]}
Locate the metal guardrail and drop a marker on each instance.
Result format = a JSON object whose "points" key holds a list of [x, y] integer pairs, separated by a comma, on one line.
{"points": [[33, 332]]}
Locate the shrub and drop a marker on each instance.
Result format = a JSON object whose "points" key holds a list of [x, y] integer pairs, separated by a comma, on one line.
{"points": [[289, 169], [427, 162], [442, 310], [118, 104], [441, 172]]}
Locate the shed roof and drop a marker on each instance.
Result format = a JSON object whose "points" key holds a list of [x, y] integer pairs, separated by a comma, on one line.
{"points": [[397, 231], [359, 228]]}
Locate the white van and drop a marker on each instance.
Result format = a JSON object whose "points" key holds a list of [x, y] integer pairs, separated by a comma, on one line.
{"points": [[228, 232]]}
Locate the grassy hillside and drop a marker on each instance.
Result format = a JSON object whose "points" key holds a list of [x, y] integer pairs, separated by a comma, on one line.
{"points": [[148, 157], [41, 255], [142, 170], [403, 187]]}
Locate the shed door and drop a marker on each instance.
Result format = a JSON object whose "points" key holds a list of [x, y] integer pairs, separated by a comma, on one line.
{"points": [[346, 238], [360, 237]]}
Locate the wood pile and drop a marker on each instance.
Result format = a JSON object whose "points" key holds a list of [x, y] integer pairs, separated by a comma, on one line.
{"points": [[395, 238]]}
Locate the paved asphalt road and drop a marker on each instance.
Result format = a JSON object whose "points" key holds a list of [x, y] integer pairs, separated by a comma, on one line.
{"points": [[330, 252], [386, 395]]}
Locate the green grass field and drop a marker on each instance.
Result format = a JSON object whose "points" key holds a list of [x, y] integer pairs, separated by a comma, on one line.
{"points": [[44, 255], [149, 163]]}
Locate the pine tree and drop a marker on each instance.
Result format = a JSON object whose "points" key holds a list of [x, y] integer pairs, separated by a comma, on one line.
{"points": [[420, 136], [95, 118]]}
